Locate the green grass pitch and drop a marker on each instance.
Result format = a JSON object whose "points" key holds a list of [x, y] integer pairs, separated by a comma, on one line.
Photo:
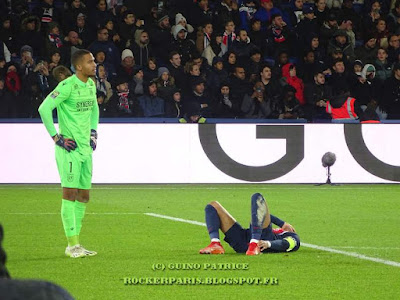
{"points": [[364, 219]]}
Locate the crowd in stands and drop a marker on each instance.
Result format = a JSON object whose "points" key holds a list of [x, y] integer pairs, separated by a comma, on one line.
{"points": [[198, 59]]}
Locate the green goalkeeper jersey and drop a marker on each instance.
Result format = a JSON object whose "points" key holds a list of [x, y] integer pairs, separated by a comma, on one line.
{"points": [[77, 111]]}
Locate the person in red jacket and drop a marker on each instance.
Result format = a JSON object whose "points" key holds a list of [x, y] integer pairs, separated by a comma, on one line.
{"points": [[290, 76]]}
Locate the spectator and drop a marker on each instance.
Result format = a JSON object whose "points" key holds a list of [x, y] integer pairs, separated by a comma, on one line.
{"points": [[201, 97], [239, 86], [314, 45], [150, 71], [176, 70], [243, 47], [257, 37], [381, 33], [391, 94], [296, 13], [256, 106], [13, 100], [265, 13], [316, 94], [165, 83], [122, 103], [30, 35], [289, 107], [181, 20], [60, 73], [54, 59], [54, 39], [100, 58], [185, 47], [4, 111], [328, 29], [137, 83], [203, 39], [151, 104], [192, 114], [71, 44], [278, 37], [7, 34], [306, 26], [383, 67], [99, 14], [393, 18], [309, 66], [102, 84], [340, 80], [228, 37], [365, 89], [173, 104], [160, 36], [213, 49], [85, 33], [38, 84], [246, 12], [27, 61], [140, 47], [321, 12], [230, 62], [272, 87], [47, 13], [77, 7], [227, 10], [289, 75], [340, 41], [394, 48], [202, 13], [125, 69], [217, 76], [113, 35], [4, 52], [367, 52], [224, 107], [102, 43], [127, 27], [371, 19]]}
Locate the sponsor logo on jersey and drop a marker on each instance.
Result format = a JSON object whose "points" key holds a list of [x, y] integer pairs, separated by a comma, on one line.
{"points": [[84, 105], [54, 94]]}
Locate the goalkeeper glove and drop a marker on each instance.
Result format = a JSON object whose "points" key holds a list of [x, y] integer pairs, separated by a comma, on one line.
{"points": [[67, 144], [93, 139]]}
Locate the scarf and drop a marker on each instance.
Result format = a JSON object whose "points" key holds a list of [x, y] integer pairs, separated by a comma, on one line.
{"points": [[227, 40], [277, 33], [207, 40], [101, 85], [55, 39], [123, 101], [13, 82]]}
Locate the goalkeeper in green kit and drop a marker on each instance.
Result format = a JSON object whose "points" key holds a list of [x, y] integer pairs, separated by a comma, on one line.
{"points": [[78, 116]]}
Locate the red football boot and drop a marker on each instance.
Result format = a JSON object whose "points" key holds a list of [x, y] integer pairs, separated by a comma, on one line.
{"points": [[213, 248], [253, 249]]}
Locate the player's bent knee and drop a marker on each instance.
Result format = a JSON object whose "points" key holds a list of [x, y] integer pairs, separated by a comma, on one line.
{"points": [[215, 204]]}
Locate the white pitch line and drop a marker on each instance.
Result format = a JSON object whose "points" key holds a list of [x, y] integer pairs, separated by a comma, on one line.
{"points": [[44, 213], [276, 188], [373, 248], [327, 249]]}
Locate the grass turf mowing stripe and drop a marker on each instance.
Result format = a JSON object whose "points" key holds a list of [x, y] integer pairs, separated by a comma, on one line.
{"points": [[331, 250]]}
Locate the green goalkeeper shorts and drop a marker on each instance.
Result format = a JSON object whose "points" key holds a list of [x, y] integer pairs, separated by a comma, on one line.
{"points": [[74, 168]]}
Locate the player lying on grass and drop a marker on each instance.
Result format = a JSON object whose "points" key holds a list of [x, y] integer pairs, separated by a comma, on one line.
{"points": [[260, 237]]}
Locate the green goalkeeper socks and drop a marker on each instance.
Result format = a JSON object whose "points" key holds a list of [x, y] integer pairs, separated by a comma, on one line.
{"points": [[68, 220], [80, 209]]}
